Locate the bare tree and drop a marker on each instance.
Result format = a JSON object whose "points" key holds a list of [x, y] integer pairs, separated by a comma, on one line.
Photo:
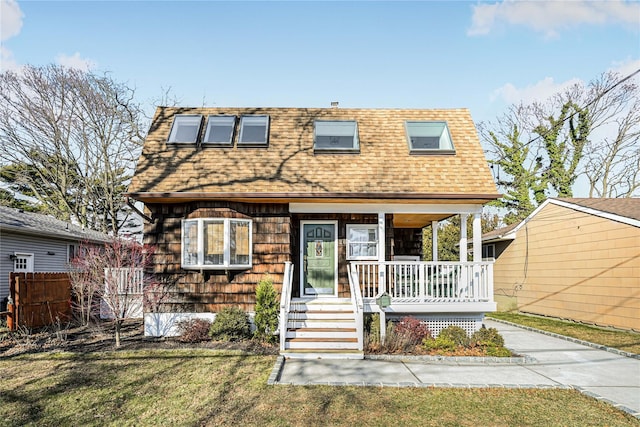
{"points": [[70, 139], [117, 275]]}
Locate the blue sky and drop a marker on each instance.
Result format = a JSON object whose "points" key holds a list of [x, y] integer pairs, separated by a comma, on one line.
{"points": [[420, 54]]}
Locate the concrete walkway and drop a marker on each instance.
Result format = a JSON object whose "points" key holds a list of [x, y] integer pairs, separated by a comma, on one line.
{"points": [[551, 362]]}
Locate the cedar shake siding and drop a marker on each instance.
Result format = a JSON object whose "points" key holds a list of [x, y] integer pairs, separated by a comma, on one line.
{"points": [[276, 239], [211, 290]]}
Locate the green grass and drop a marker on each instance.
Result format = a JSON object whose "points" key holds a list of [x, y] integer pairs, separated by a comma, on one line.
{"points": [[213, 387], [622, 340]]}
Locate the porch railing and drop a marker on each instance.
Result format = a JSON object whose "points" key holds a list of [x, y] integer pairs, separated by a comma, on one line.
{"points": [[415, 281], [285, 302]]}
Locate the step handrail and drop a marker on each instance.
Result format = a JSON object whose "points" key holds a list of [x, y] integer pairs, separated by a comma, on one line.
{"points": [[358, 304], [285, 302]]}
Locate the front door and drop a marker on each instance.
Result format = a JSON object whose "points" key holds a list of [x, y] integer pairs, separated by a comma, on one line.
{"points": [[319, 257]]}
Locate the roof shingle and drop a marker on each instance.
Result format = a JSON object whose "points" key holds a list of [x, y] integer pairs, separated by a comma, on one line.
{"points": [[289, 166]]}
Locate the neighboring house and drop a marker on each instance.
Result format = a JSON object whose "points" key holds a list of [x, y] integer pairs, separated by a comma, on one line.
{"points": [[572, 258], [31, 242], [329, 202]]}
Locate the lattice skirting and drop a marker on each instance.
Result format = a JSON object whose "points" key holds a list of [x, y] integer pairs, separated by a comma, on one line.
{"points": [[437, 322]]}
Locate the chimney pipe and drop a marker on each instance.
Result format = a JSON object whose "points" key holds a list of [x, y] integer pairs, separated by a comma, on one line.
{"points": [[334, 104]]}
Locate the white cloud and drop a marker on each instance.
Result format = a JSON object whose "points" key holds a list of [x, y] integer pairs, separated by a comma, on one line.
{"points": [[10, 26], [539, 91], [549, 17], [10, 19], [627, 67], [75, 61]]}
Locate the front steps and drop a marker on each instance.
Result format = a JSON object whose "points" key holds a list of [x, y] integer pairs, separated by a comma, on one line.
{"points": [[322, 328]]}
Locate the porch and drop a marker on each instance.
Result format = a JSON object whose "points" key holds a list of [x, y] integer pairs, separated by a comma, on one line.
{"points": [[330, 327]]}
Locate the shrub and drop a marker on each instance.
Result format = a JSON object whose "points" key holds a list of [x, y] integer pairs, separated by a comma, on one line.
{"points": [[487, 338], [498, 351], [193, 330], [440, 344], [230, 324], [456, 334], [412, 329], [372, 326], [266, 319]]}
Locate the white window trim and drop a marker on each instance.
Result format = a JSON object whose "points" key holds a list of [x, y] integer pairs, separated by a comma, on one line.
{"points": [[72, 247], [226, 265], [377, 242], [30, 262]]}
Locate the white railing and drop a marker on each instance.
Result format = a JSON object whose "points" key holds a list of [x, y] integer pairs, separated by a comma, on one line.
{"points": [[121, 278], [358, 305], [415, 281], [285, 302]]}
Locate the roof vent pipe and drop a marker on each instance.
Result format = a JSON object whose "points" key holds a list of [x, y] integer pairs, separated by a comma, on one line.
{"points": [[334, 104]]}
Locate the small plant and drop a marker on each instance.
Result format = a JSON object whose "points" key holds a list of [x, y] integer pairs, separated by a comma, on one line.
{"points": [[372, 326], [441, 344], [193, 330], [484, 337], [456, 334], [230, 324], [266, 319], [412, 329]]}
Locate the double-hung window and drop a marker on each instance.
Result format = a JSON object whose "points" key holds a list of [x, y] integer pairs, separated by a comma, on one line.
{"points": [[362, 241], [336, 136], [185, 129], [216, 243], [429, 137]]}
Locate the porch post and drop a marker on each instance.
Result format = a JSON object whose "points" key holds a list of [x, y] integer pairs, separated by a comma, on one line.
{"points": [[477, 237], [434, 240], [463, 237], [382, 238]]}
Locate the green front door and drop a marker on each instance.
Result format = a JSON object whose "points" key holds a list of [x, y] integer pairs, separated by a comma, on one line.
{"points": [[319, 272]]}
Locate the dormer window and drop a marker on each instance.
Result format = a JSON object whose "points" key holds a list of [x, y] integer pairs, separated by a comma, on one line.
{"points": [[220, 130], [254, 131], [185, 129], [336, 136], [429, 137]]}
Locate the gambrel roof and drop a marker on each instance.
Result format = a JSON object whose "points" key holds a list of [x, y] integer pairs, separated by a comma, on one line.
{"points": [[288, 168]]}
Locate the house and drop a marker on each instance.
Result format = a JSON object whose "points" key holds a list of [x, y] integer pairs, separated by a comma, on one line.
{"points": [[329, 202], [32, 243], [571, 258]]}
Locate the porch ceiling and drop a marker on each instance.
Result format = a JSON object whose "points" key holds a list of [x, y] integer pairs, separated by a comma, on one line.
{"points": [[416, 220]]}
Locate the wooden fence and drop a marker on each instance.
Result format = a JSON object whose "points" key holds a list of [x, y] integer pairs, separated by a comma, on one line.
{"points": [[39, 299]]}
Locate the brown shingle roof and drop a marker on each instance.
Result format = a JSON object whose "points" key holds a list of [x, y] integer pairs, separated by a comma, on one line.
{"points": [[288, 165], [627, 207]]}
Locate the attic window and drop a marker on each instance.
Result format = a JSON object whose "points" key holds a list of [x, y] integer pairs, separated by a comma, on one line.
{"points": [[253, 130], [429, 137], [335, 135], [185, 129], [219, 130]]}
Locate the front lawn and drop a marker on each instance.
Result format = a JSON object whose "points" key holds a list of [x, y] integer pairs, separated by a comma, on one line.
{"points": [[190, 387], [622, 340]]}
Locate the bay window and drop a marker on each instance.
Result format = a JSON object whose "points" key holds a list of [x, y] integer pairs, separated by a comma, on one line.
{"points": [[216, 243]]}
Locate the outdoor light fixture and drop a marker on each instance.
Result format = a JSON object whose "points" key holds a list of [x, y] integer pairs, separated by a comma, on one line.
{"points": [[12, 257], [51, 253]]}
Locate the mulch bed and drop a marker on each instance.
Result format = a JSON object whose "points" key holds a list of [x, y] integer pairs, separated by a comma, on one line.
{"points": [[100, 338]]}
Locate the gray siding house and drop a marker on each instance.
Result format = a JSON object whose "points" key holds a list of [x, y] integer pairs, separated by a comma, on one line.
{"points": [[31, 242]]}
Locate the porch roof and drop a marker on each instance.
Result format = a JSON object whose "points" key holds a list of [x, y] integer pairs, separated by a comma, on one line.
{"points": [[287, 168]]}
